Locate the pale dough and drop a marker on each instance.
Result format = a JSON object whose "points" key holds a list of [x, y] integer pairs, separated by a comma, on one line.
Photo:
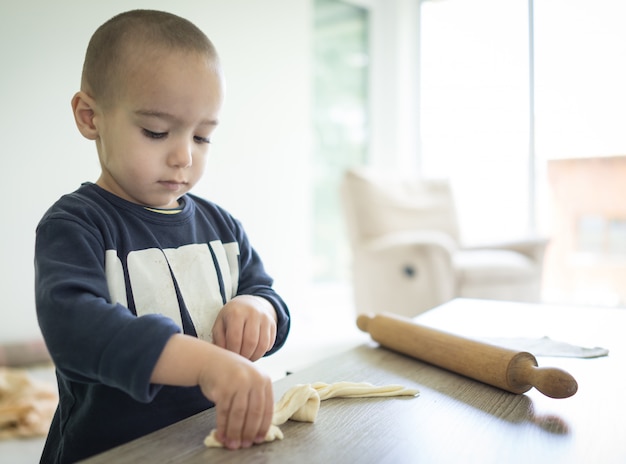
{"points": [[302, 402], [26, 404]]}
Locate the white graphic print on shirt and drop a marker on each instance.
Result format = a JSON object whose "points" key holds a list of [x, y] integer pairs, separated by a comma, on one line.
{"points": [[194, 271]]}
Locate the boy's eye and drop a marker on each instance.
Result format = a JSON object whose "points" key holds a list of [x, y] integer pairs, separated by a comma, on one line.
{"points": [[154, 135], [199, 139]]}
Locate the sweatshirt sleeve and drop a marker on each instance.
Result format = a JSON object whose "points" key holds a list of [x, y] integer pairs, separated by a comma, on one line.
{"points": [[91, 339]]}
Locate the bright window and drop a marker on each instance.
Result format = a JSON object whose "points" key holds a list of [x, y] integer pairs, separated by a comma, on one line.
{"points": [[505, 93], [340, 124], [475, 110]]}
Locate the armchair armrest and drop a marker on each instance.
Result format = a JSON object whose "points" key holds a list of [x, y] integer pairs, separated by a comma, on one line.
{"points": [[404, 239], [532, 246]]}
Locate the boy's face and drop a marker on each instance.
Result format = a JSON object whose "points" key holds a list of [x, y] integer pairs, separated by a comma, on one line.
{"points": [[153, 139]]}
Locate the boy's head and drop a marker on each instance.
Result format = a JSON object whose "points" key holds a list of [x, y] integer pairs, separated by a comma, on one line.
{"points": [[150, 98], [122, 41]]}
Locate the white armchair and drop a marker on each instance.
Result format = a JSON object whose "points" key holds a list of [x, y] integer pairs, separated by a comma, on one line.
{"points": [[406, 253]]}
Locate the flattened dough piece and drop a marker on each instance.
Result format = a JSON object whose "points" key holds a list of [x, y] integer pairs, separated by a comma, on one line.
{"points": [[302, 402], [274, 433]]}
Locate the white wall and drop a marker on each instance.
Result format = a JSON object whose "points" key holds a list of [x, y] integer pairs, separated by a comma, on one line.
{"points": [[260, 155]]}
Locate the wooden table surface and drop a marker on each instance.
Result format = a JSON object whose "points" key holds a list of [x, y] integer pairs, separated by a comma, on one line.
{"points": [[454, 419]]}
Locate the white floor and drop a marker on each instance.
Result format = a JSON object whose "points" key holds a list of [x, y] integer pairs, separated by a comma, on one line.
{"points": [[323, 324]]}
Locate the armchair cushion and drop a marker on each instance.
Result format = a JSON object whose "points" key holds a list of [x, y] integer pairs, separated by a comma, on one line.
{"points": [[493, 266]]}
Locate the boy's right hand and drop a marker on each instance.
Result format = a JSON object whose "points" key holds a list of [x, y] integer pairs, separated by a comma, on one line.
{"points": [[243, 398], [242, 393]]}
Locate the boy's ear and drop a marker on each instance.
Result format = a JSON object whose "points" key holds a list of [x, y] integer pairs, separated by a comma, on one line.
{"points": [[83, 107]]}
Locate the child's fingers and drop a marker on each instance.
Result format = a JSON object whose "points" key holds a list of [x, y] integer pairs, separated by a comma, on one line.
{"points": [[218, 333], [222, 408], [255, 417], [243, 399], [234, 335], [266, 421], [250, 341], [245, 418], [265, 338], [236, 417]]}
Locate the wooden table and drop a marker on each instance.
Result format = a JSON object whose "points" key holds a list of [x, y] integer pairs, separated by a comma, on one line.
{"points": [[454, 419]]}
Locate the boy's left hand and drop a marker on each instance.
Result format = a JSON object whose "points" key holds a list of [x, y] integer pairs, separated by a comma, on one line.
{"points": [[246, 325]]}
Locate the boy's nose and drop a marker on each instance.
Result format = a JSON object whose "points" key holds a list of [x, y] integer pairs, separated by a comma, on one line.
{"points": [[181, 155]]}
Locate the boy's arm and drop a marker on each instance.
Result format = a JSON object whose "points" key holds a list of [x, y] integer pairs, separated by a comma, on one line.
{"points": [[242, 393], [91, 339]]}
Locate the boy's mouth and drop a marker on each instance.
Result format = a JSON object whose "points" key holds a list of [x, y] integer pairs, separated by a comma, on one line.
{"points": [[173, 185]]}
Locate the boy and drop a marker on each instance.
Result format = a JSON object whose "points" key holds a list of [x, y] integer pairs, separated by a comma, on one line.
{"points": [[152, 302]]}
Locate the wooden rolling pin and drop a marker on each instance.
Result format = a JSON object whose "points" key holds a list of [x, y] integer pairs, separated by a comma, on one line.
{"points": [[513, 371]]}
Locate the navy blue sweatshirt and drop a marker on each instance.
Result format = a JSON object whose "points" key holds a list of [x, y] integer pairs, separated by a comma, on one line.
{"points": [[113, 282]]}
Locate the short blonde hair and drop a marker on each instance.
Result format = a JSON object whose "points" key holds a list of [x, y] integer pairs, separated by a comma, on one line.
{"points": [[104, 59]]}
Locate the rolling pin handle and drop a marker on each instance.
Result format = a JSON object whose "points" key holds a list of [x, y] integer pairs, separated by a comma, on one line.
{"points": [[523, 373], [553, 382], [363, 322]]}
